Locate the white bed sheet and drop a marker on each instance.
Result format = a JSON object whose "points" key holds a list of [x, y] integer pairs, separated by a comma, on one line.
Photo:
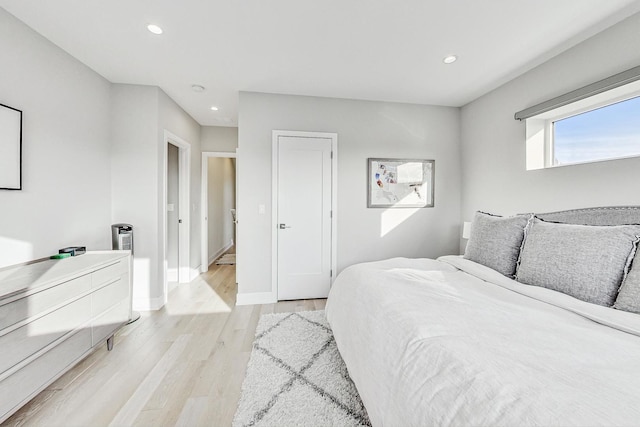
{"points": [[450, 342]]}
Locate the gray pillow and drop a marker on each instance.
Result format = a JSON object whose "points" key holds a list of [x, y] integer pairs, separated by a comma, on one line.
{"points": [[495, 241], [629, 294], [585, 261]]}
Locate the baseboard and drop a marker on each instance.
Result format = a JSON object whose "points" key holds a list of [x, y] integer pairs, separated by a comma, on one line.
{"points": [[256, 298], [148, 304], [220, 251]]}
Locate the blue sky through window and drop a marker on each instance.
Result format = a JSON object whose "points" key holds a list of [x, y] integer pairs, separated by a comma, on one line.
{"points": [[609, 132]]}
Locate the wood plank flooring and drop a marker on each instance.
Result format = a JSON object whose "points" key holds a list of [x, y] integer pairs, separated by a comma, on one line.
{"points": [[179, 366]]}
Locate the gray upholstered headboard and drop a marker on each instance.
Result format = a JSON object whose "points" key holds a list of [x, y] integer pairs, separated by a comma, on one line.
{"points": [[608, 215]]}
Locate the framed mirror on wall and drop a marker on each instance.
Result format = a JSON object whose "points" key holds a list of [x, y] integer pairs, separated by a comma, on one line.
{"points": [[10, 148]]}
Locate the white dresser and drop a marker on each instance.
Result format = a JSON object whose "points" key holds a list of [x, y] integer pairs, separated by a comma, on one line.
{"points": [[53, 313]]}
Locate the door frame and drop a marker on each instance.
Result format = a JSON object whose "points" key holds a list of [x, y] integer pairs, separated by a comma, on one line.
{"points": [[184, 188], [276, 134], [204, 202]]}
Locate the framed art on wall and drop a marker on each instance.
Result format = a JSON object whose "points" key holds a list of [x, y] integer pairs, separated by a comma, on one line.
{"points": [[10, 148], [400, 183]]}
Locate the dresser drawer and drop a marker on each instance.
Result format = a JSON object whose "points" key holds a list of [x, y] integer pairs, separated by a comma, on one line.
{"points": [[21, 309], [109, 273], [24, 384], [21, 343], [107, 296]]}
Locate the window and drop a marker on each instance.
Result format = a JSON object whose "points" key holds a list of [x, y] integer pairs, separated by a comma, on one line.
{"points": [[608, 132], [600, 121]]}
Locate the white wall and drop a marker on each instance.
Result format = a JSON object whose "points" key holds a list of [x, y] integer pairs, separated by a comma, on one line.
{"points": [[493, 143], [135, 188], [139, 116], [220, 199], [66, 194], [173, 118], [219, 138], [365, 129]]}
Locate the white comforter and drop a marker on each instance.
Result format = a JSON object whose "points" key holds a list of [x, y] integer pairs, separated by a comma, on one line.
{"points": [[450, 342]]}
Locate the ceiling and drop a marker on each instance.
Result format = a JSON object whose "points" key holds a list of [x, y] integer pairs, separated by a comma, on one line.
{"points": [[386, 50]]}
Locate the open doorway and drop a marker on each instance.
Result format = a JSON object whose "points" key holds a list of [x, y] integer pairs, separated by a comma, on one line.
{"points": [[218, 208], [175, 211], [173, 214]]}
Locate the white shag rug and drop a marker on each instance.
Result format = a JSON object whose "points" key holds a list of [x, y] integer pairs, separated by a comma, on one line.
{"points": [[296, 377], [226, 259]]}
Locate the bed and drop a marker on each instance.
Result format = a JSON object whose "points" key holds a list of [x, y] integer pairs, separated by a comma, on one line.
{"points": [[454, 342]]}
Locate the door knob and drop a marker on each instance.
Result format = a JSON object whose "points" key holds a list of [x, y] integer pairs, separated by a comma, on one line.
{"points": [[283, 226]]}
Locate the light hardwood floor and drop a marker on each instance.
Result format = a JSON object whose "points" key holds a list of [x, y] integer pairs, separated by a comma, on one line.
{"points": [[179, 366]]}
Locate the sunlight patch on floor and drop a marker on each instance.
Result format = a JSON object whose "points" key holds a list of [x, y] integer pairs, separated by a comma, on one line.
{"points": [[196, 297]]}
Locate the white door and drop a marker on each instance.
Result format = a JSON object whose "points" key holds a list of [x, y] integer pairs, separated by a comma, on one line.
{"points": [[303, 217]]}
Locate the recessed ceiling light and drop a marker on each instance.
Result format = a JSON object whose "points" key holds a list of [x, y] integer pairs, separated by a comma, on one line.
{"points": [[154, 29], [197, 88], [450, 59], [214, 108]]}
